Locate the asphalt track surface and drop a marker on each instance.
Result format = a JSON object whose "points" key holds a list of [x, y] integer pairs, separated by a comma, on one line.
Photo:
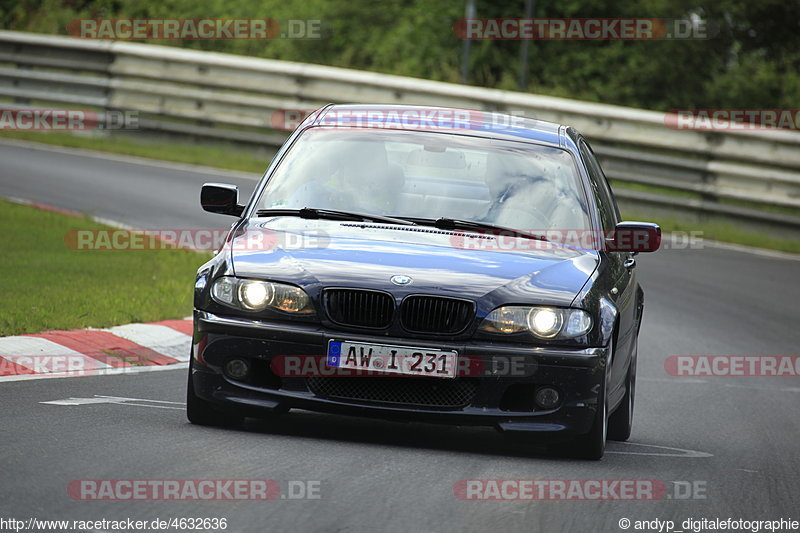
{"points": [[734, 440]]}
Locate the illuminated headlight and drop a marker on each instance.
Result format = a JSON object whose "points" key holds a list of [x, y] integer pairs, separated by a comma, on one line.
{"points": [[543, 322], [256, 295]]}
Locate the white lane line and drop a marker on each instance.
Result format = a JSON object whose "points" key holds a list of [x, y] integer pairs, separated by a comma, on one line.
{"points": [[683, 453], [124, 399], [99, 220], [673, 380], [113, 223], [79, 401], [161, 339], [764, 389], [721, 384], [117, 400], [764, 252], [152, 406], [99, 372]]}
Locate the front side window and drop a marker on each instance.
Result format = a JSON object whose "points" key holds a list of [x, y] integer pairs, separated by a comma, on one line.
{"points": [[430, 175], [609, 214]]}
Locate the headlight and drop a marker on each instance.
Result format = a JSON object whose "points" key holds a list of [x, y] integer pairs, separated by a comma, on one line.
{"points": [[255, 295], [543, 322], [224, 290]]}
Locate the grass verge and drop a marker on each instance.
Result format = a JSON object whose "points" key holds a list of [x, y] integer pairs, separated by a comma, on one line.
{"points": [[46, 285]]}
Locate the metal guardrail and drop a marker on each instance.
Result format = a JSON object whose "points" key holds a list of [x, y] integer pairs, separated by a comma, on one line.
{"points": [[234, 98]]}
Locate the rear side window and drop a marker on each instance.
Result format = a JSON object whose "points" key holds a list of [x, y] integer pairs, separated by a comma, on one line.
{"points": [[609, 212]]}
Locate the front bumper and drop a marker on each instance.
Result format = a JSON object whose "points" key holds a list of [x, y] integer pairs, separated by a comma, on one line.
{"points": [[498, 391]]}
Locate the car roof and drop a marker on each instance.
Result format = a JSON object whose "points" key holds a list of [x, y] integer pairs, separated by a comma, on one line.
{"points": [[489, 124]]}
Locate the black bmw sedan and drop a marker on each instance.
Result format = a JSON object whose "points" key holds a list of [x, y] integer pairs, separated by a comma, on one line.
{"points": [[425, 264]]}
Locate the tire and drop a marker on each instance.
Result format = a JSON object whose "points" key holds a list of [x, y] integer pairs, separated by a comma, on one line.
{"points": [[203, 413], [620, 422]]}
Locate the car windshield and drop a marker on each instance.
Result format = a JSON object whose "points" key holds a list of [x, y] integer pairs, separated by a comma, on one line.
{"points": [[430, 175]]}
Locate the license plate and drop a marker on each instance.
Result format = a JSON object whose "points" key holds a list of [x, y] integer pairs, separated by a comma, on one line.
{"points": [[384, 359]]}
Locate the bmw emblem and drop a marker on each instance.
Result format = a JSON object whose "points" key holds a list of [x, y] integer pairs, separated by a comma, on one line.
{"points": [[401, 279]]}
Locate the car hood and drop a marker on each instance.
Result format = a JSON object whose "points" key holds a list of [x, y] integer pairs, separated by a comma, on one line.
{"points": [[367, 255]]}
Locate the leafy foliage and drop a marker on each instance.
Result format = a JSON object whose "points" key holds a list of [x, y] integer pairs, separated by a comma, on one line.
{"points": [[751, 59]]}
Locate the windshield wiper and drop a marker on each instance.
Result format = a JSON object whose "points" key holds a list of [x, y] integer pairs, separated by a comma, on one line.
{"points": [[331, 214], [455, 223]]}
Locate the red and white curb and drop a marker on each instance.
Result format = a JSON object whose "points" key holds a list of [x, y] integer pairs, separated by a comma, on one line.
{"points": [[124, 349]]}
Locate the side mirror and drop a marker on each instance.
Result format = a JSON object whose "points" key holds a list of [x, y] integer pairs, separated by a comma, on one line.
{"points": [[221, 198], [635, 237]]}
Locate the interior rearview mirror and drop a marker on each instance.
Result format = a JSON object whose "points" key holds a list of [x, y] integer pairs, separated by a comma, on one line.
{"points": [[635, 237], [221, 198]]}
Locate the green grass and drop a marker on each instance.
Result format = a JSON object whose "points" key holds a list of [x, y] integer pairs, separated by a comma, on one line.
{"points": [[228, 158], [46, 285]]}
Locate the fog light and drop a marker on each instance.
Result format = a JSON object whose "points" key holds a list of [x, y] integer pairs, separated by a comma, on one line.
{"points": [[547, 397], [237, 368]]}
